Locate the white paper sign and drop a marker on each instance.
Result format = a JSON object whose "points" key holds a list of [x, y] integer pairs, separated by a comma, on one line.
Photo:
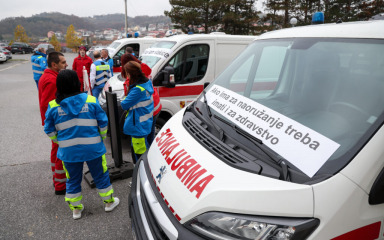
{"points": [[308, 150], [158, 52]]}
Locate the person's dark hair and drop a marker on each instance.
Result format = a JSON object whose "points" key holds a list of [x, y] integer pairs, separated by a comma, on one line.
{"points": [[136, 76], [54, 57], [127, 58], [67, 84], [128, 50]]}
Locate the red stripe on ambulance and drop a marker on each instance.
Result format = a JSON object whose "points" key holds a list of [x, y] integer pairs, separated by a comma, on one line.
{"points": [[180, 91], [165, 200], [194, 177], [368, 232]]}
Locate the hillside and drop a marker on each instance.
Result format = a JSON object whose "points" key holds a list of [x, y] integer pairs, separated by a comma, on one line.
{"points": [[38, 25]]}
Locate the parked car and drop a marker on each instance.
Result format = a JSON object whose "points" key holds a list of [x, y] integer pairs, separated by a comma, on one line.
{"points": [[19, 47], [7, 53], [3, 58], [6, 46], [47, 46]]}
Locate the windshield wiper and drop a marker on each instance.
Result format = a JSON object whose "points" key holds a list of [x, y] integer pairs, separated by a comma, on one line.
{"points": [[217, 127], [258, 142]]}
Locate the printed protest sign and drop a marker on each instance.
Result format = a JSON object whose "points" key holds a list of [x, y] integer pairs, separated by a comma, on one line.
{"points": [[157, 52], [307, 149]]}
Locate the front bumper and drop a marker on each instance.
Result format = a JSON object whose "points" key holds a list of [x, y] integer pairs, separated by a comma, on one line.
{"points": [[151, 217]]}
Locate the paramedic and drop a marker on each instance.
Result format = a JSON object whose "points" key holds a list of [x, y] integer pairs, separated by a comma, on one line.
{"points": [[139, 103], [107, 59], [39, 64], [47, 92], [156, 99], [100, 73], [79, 63], [78, 124]]}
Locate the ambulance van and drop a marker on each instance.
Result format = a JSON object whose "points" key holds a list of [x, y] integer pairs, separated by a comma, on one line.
{"points": [[181, 66], [287, 143], [117, 48]]}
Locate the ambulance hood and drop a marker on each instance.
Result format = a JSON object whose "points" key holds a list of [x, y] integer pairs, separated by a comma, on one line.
{"points": [[193, 181]]}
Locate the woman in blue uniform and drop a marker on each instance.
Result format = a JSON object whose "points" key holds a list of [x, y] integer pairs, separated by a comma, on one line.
{"points": [[139, 103], [78, 124]]}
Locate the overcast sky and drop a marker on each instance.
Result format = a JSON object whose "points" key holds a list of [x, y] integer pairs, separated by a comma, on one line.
{"points": [[83, 8]]}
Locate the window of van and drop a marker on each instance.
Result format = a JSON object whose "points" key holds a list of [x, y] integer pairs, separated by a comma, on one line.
{"points": [[190, 63], [332, 86], [134, 46]]}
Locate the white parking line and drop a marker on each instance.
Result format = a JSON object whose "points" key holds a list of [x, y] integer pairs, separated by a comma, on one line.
{"points": [[13, 66]]}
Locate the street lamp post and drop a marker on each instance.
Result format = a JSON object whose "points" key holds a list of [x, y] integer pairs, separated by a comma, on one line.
{"points": [[126, 18]]}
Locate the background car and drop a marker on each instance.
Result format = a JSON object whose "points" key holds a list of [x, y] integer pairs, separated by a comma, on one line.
{"points": [[3, 58], [7, 53], [19, 47], [47, 46], [4, 45]]}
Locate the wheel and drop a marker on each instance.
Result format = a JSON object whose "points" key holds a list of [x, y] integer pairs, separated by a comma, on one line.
{"points": [[23, 52], [2, 62], [159, 124]]}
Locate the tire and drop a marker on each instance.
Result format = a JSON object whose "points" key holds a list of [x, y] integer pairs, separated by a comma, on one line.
{"points": [[2, 62], [160, 122], [23, 52]]}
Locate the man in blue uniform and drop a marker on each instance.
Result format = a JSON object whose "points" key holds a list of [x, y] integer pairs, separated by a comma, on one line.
{"points": [[100, 73], [39, 64]]}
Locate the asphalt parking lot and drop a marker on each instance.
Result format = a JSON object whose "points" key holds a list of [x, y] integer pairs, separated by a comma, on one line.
{"points": [[30, 209]]}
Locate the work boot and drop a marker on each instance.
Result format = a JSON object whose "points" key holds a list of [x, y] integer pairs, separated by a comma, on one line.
{"points": [[110, 206], [77, 213]]}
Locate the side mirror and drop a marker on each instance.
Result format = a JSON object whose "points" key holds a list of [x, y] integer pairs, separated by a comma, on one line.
{"points": [[169, 77], [165, 78], [116, 61]]}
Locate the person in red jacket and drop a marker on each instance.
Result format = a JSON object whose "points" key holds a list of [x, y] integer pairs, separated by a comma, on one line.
{"points": [[47, 93], [156, 99], [82, 61]]}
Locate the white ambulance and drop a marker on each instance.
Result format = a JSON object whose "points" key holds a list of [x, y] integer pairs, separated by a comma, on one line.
{"points": [[287, 143], [181, 66], [117, 48]]}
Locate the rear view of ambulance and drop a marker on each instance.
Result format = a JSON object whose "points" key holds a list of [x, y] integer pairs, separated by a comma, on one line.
{"points": [[286, 143]]}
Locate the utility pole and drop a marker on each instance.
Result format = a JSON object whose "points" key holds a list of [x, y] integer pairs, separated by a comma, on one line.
{"points": [[126, 18]]}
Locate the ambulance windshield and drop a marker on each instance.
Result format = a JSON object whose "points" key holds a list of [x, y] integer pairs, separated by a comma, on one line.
{"points": [[158, 50], [313, 101]]}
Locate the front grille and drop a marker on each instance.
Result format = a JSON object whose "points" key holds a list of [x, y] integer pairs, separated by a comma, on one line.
{"points": [[224, 152], [156, 230]]}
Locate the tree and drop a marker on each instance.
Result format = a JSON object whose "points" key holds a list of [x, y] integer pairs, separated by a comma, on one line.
{"points": [[232, 16], [71, 39], [194, 13], [238, 16], [55, 43], [20, 35]]}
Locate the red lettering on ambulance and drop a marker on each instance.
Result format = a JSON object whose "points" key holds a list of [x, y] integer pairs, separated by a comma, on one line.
{"points": [[168, 151], [176, 157], [193, 175], [185, 167], [162, 135], [176, 165], [200, 186], [166, 143]]}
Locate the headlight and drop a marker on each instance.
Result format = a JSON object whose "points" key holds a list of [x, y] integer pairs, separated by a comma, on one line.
{"points": [[223, 226]]}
